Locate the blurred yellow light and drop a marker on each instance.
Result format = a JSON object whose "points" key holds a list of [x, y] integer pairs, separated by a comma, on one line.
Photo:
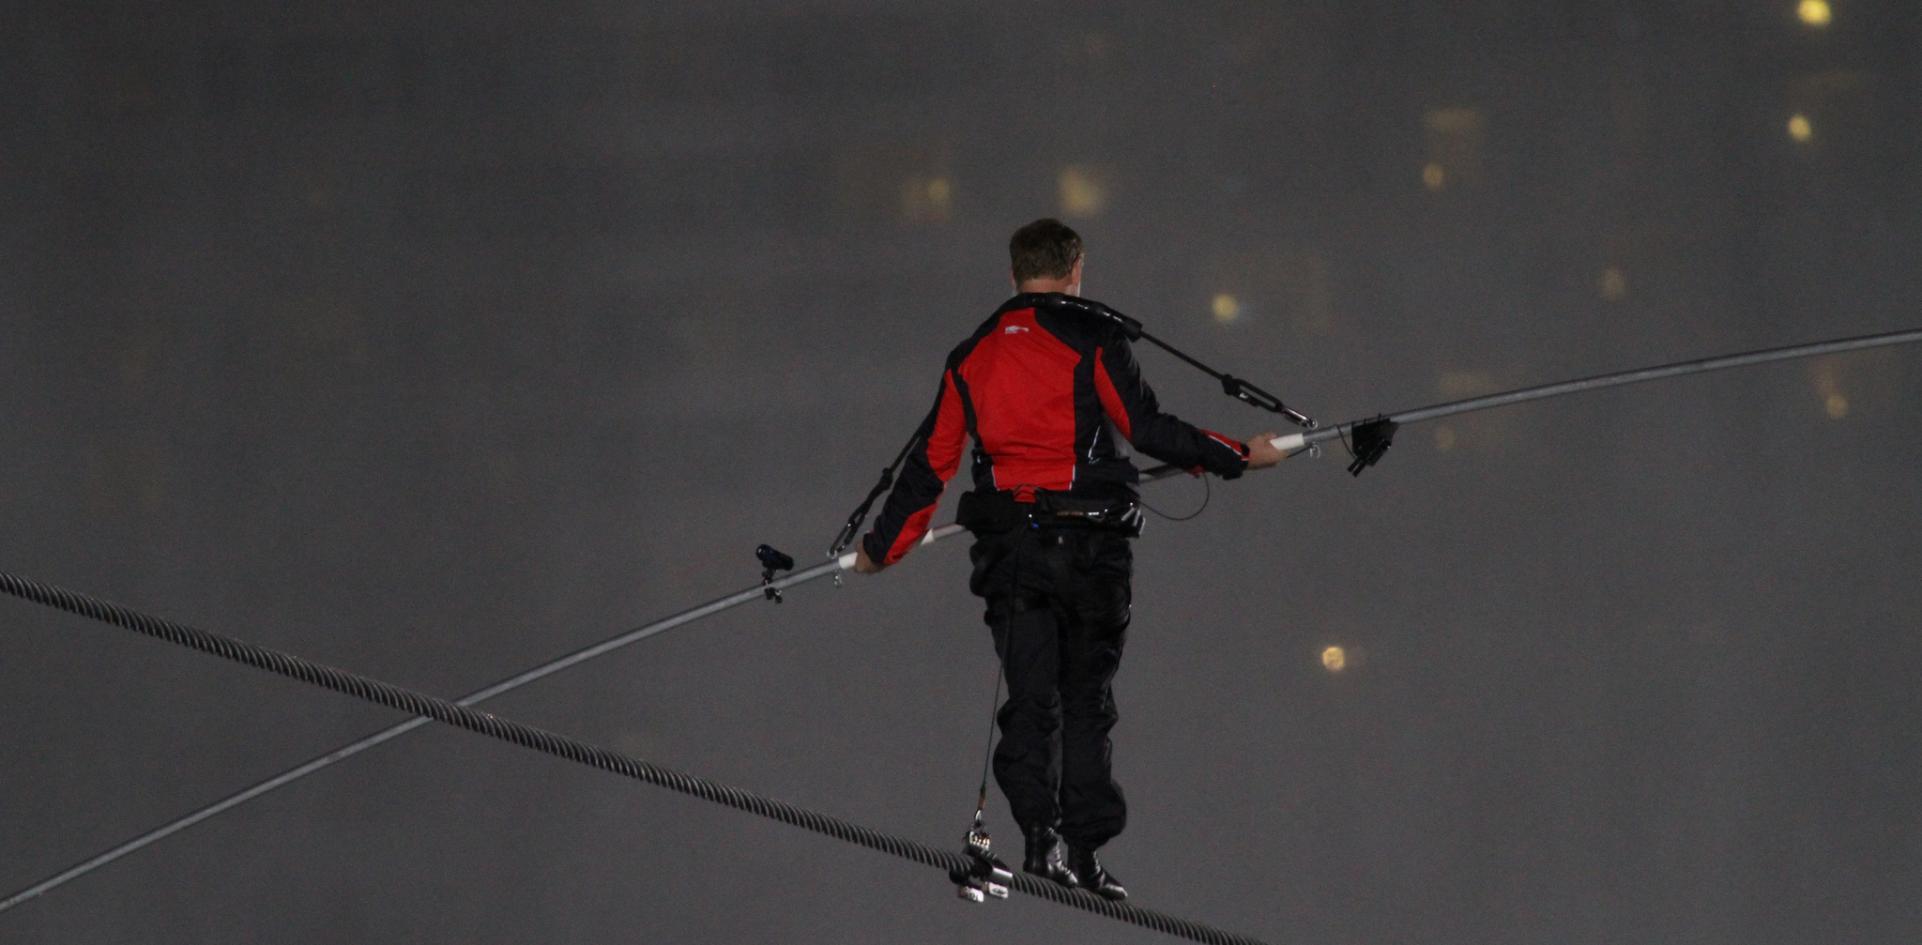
{"points": [[1837, 406], [1464, 384], [1614, 284], [1433, 177], [1457, 120], [1080, 193], [1226, 308], [926, 199], [1814, 12], [1334, 659], [1799, 127], [1444, 438]]}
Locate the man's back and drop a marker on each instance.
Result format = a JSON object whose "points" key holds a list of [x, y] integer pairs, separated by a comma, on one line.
{"points": [[1048, 388], [1031, 377]]}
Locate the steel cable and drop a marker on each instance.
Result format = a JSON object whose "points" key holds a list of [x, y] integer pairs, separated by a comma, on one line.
{"points": [[562, 746]]}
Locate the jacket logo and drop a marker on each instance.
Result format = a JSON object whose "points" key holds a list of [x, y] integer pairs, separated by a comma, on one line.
{"points": [[1014, 329]]}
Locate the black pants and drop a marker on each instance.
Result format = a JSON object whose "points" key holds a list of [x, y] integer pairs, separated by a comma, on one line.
{"points": [[1058, 605]]}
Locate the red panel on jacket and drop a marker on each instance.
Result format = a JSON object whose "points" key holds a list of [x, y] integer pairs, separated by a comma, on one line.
{"points": [[1021, 381]]}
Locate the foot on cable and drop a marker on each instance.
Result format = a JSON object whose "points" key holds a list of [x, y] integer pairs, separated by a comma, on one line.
{"points": [[1045, 858], [1092, 876]]}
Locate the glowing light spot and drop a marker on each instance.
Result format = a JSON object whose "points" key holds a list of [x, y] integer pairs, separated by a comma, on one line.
{"points": [[1081, 194], [1334, 659], [1444, 438], [1828, 387], [1799, 127], [1433, 177], [1226, 308], [1815, 13], [1614, 286], [927, 199], [1462, 384], [1457, 120]]}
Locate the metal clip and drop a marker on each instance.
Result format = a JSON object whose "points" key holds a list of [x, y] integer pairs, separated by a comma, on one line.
{"points": [[772, 561], [1371, 438]]}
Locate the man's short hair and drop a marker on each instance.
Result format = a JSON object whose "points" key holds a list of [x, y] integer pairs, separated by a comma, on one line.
{"points": [[1044, 249]]}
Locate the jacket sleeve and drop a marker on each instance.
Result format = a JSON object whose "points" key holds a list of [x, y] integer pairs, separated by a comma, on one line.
{"points": [[1130, 403], [936, 455]]}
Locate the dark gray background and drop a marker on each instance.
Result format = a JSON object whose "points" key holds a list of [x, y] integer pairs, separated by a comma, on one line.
{"points": [[434, 342]]}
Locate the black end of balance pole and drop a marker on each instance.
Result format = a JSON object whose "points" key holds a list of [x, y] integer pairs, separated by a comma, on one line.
{"points": [[1370, 439], [772, 560]]}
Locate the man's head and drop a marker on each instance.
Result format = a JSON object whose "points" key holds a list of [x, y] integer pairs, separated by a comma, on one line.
{"points": [[1046, 257]]}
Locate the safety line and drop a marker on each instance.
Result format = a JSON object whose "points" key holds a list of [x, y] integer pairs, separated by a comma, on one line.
{"points": [[562, 746]]}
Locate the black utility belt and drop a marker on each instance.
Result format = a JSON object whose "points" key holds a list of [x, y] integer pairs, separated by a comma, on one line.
{"points": [[989, 513]]}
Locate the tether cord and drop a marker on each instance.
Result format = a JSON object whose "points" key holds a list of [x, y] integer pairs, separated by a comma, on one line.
{"points": [[562, 746], [994, 701], [987, 754]]}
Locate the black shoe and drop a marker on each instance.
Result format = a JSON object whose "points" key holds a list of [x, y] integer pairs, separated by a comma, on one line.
{"points": [[1046, 859], [1092, 876]]}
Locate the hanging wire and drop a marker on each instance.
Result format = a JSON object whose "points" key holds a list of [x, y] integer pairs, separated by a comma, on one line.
{"points": [[987, 754], [1207, 493]]}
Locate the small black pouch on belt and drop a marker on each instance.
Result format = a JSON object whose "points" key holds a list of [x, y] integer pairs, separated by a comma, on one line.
{"points": [[990, 513]]}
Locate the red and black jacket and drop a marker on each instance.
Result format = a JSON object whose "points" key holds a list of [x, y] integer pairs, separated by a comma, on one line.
{"points": [[1043, 386]]}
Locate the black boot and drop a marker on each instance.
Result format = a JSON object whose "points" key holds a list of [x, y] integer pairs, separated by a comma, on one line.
{"points": [[1045, 858], [1092, 876]]}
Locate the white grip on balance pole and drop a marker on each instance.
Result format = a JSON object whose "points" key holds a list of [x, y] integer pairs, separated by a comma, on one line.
{"points": [[846, 561], [1290, 443]]}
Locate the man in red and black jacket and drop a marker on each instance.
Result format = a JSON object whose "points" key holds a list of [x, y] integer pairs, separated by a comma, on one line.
{"points": [[1049, 389]]}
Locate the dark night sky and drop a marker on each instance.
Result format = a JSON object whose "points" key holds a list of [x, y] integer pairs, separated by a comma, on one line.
{"points": [[434, 341]]}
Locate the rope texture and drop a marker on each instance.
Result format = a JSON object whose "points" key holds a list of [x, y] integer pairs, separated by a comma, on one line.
{"points": [[562, 746]]}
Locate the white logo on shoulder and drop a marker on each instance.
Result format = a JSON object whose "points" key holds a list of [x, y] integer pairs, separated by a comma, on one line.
{"points": [[1014, 329]]}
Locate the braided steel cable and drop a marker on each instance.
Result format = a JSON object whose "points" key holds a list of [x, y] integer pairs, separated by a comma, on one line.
{"points": [[562, 746]]}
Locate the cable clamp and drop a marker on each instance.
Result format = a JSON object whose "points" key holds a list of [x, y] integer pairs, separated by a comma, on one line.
{"points": [[985, 875]]}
